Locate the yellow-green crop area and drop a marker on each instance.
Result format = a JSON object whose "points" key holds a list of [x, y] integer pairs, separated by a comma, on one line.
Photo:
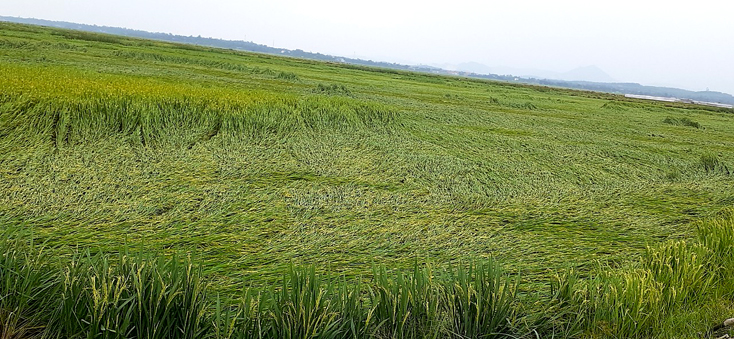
{"points": [[251, 163]]}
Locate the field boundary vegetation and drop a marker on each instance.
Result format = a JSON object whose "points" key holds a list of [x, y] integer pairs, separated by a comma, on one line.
{"points": [[133, 295]]}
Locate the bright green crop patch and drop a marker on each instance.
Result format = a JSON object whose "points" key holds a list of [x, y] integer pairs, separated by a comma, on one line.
{"points": [[251, 163]]}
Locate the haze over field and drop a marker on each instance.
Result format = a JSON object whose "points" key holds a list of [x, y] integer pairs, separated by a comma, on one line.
{"points": [[653, 42]]}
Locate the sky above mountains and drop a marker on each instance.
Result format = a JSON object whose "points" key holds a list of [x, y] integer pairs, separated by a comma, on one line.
{"points": [[681, 44]]}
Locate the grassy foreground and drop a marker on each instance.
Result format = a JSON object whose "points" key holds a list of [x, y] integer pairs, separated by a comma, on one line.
{"points": [[250, 165], [677, 290]]}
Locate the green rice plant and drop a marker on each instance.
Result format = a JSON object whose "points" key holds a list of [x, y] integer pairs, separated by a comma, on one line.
{"points": [[72, 311], [406, 305], [625, 304], [356, 318], [174, 59], [674, 175], [717, 235], [244, 320], [132, 297], [27, 287], [528, 106], [682, 269], [191, 149], [637, 300], [264, 71], [171, 299], [180, 120], [567, 311], [616, 106], [303, 307], [613, 303], [108, 316], [480, 300]]}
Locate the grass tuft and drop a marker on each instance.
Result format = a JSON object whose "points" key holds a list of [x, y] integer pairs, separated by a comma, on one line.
{"points": [[481, 300], [28, 286], [333, 89], [711, 164], [682, 122]]}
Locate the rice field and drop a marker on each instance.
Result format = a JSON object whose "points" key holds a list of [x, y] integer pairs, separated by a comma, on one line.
{"points": [[285, 175]]}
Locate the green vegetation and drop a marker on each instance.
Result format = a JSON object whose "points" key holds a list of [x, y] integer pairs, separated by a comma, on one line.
{"points": [[631, 88], [682, 122], [676, 288], [345, 201]]}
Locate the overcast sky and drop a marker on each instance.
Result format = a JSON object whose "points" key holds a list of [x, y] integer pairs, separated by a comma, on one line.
{"points": [[683, 44]]}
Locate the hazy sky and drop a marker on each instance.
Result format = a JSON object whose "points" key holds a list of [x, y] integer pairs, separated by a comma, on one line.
{"points": [[684, 44]]}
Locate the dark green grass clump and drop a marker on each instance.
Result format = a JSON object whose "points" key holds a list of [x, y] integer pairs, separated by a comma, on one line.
{"points": [[711, 164], [682, 122], [333, 89], [95, 37]]}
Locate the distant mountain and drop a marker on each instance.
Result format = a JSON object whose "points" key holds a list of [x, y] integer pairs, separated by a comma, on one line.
{"points": [[586, 78], [588, 73], [473, 67]]}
